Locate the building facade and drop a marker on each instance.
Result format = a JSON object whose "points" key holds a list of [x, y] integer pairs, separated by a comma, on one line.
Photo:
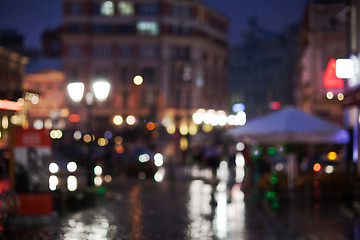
{"points": [[323, 37], [180, 48], [50, 110], [12, 69], [262, 69]]}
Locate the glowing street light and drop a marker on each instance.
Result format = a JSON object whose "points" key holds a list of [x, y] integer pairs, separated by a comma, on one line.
{"points": [[101, 89], [100, 92], [76, 91]]}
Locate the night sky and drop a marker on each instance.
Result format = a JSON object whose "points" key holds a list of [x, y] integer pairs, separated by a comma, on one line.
{"points": [[31, 17]]}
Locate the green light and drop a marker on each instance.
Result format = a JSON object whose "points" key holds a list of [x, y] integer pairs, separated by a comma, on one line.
{"points": [[271, 194], [274, 180], [271, 150], [275, 205], [101, 190]]}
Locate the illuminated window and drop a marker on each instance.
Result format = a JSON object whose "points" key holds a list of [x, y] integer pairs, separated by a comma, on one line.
{"points": [[126, 8], [147, 28], [107, 8]]}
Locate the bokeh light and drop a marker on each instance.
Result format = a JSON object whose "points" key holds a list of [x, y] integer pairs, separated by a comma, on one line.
{"points": [[138, 80], [158, 159], [118, 140], [131, 120], [332, 156], [340, 96], [97, 170], [53, 167], [71, 183], [317, 167], [71, 166], [98, 181], [329, 95], [77, 135], [329, 169], [117, 120], [144, 158], [102, 142], [150, 126]]}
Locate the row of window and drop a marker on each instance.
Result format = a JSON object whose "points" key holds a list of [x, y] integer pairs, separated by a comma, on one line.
{"points": [[143, 28], [127, 8], [129, 51], [124, 51]]}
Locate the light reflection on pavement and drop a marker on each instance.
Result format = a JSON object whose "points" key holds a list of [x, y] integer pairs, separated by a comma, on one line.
{"points": [[189, 209]]}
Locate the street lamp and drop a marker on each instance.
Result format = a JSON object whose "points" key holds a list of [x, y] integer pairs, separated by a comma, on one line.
{"points": [[100, 90]]}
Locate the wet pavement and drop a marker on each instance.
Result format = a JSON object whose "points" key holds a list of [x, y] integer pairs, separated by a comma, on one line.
{"points": [[169, 210], [195, 209], [305, 220]]}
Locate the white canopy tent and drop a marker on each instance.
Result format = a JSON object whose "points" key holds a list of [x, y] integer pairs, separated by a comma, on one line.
{"points": [[289, 125], [293, 126]]}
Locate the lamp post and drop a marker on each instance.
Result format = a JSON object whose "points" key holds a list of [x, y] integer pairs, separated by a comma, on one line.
{"points": [[100, 91]]}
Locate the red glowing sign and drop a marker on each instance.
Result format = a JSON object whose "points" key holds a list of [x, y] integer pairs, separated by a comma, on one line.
{"points": [[330, 79], [32, 138], [274, 105], [74, 118], [10, 105]]}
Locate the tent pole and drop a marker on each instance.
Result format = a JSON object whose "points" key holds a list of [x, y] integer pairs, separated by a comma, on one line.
{"points": [[355, 140]]}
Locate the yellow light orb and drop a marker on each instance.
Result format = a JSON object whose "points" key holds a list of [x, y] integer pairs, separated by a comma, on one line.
{"points": [[192, 129], [171, 129], [138, 80], [340, 96], [332, 156], [329, 95], [184, 143], [87, 138], [118, 140], [131, 120], [184, 129], [117, 120]]}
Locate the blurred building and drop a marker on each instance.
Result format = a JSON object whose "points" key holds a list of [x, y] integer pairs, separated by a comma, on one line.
{"points": [[11, 39], [51, 42], [180, 48], [323, 37], [262, 69], [44, 77], [12, 69]]}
